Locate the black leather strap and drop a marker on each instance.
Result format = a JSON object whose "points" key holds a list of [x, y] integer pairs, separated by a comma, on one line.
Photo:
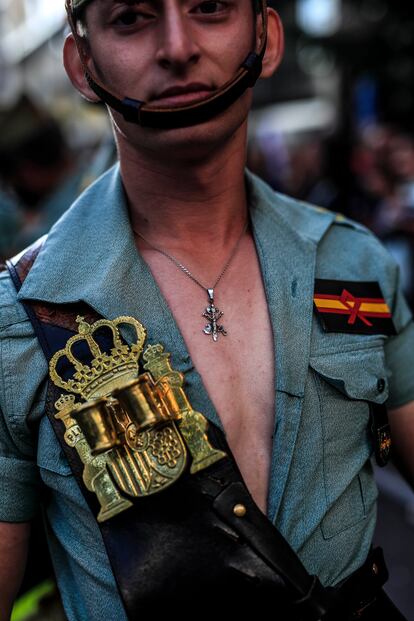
{"points": [[16, 278], [381, 433], [360, 596]]}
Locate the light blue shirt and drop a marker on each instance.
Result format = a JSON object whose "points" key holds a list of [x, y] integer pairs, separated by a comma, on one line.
{"points": [[322, 494]]}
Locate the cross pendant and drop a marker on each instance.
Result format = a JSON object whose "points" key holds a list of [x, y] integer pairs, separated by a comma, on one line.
{"points": [[213, 314]]}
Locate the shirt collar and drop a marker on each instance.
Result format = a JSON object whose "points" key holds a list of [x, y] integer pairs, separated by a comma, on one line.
{"points": [[90, 254], [286, 234]]}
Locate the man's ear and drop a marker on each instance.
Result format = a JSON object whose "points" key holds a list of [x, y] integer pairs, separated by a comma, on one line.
{"points": [[275, 44], [75, 70]]}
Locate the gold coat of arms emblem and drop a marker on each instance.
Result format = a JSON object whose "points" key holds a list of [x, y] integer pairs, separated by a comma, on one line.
{"points": [[126, 414]]}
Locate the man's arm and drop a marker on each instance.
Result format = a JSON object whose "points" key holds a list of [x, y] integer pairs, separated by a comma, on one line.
{"points": [[14, 543], [402, 432]]}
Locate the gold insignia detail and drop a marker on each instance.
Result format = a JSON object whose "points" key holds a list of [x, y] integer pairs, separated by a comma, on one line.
{"points": [[131, 431], [193, 425], [95, 473], [385, 444], [107, 371]]}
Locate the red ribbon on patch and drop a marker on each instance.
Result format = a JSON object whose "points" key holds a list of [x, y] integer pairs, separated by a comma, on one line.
{"points": [[354, 309]]}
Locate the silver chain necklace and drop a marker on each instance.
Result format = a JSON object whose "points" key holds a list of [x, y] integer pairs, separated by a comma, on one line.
{"points": [[211, 313]]}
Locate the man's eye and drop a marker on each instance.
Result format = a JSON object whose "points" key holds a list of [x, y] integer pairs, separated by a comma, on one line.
{"points": [[126, 19], [210, 6], [130, 18]]}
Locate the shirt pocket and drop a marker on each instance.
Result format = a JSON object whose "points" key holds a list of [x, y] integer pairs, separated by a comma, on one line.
{"points": [[346, 382]]}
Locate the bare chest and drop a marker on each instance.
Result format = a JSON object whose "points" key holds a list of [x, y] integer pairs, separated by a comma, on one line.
{"points": [[237, 370]]}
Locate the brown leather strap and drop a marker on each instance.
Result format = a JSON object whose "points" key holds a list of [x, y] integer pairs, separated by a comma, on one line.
{"points": [[19, 268], [24, 261]]}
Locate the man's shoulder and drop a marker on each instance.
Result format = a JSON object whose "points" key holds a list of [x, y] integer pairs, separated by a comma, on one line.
{"points": [[304, 215], [346, 249], [307, 220]]}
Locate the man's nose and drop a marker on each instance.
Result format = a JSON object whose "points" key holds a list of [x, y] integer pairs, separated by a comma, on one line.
{"points": [[177, 46]]}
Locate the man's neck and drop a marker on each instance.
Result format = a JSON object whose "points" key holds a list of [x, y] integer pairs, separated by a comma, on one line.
{"points": [[187, 204]]}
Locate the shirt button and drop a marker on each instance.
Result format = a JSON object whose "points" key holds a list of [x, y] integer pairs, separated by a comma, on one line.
{"points": [[381, 384]]}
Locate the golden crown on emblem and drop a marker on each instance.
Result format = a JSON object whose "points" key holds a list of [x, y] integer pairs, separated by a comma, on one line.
{"points": [[107, 371]]}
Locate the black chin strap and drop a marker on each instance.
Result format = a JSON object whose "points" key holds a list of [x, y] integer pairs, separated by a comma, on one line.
{"points": [[140, 113]]}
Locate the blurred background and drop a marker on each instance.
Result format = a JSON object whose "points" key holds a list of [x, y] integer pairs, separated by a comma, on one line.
{"points": [[335, 127]]}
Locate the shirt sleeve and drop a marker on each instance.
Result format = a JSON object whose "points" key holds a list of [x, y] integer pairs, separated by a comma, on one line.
{"points": [[19, 400], [399, 351], [20, 481]]}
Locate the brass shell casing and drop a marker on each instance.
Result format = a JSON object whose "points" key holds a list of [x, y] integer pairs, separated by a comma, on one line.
{"points": [[98, 426], [140, 400]]}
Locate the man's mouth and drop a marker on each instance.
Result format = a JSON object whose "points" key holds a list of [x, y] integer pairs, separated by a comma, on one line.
{"points": [[181, 95]]}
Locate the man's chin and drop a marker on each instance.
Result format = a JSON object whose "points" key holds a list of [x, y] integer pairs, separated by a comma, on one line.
{"points": [[184, 146], [200, 140], [188, 142]]}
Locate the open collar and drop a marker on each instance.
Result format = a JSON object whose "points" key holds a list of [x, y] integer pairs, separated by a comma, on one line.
{"points": [[90, 256], [287, 233]]}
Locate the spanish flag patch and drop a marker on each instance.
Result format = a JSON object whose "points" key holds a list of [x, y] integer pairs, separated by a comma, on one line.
{"points": [[355, 307]]}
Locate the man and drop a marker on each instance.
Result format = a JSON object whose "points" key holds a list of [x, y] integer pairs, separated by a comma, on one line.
{"points": [[179, 228]]}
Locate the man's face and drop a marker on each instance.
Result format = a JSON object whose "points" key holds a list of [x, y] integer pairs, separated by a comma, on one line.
{"points": [[171, 53]]}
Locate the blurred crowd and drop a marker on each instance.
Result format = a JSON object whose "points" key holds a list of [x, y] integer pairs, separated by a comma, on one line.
{"points": [[41, 175]]}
